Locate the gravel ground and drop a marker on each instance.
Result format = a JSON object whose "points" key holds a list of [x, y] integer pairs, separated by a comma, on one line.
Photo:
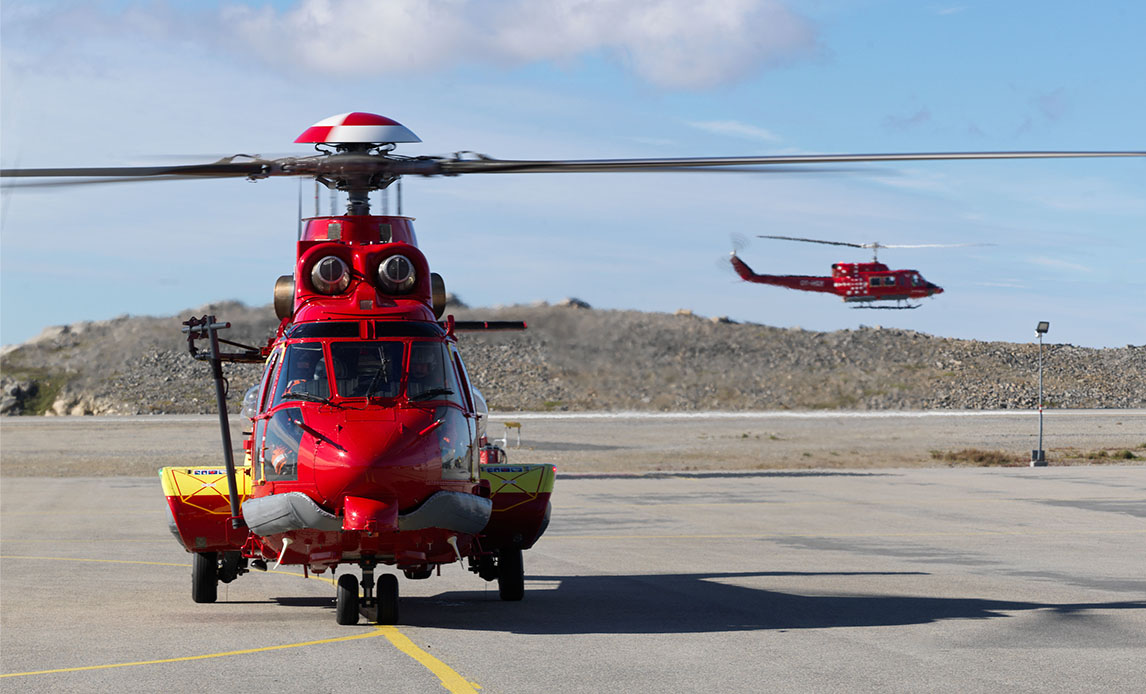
{"points": [[136, 446], [579, 359]]}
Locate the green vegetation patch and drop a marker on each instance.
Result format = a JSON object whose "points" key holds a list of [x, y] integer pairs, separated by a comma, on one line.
{"points": [[46, 388]]}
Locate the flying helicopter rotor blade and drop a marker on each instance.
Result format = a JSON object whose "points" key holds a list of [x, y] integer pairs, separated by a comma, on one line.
{"points": [[739, 241], [827, 243], [932, 245]]}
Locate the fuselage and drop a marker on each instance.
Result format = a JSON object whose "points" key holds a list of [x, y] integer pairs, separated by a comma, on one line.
{"points": [[364, 401], [853, 282]]}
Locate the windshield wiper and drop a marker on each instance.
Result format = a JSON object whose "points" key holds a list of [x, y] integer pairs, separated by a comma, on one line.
{"points": [[310, 398], [433, 392], [383, 367]]}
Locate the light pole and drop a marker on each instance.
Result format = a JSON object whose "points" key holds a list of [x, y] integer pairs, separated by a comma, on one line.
{"points": [[1039, 456]]}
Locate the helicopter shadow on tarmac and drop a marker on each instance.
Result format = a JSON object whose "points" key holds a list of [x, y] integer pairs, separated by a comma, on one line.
{"points": [[696, 603]]}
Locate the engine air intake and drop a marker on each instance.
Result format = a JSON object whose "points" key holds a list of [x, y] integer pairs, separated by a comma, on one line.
{"points": [[396, 274], [330, 275]]}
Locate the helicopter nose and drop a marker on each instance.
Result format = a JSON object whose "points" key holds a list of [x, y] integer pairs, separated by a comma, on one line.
{"points": [[376, 459], [935, 289]]}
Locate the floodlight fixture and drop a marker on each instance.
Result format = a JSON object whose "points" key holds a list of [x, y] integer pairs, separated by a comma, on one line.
{"points": [[1039, 456]]}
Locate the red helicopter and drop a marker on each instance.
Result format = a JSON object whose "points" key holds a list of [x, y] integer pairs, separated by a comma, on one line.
{"points": [[862, 284], [368, 443]]}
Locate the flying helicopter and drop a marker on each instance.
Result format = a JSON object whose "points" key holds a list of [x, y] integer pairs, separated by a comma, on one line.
{"points": [[863, 285], [368, 446]]}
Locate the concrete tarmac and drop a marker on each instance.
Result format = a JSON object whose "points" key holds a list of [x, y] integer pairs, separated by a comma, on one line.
{"points": [[979, 580], [621, 442]]}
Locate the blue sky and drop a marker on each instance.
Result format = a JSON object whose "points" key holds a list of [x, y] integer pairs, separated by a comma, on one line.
{"points": [[91, 83]]}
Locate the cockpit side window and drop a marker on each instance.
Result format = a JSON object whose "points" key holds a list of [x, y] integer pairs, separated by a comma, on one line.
{"points": [[367, 369], [465, 378], [431, 375], [268, 381]]}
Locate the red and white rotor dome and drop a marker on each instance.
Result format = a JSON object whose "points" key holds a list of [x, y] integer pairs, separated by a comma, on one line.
{"points": [[357, 127]]}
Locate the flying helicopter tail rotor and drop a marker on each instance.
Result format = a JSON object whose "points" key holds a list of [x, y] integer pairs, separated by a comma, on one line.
{"points": [[739, 241]]}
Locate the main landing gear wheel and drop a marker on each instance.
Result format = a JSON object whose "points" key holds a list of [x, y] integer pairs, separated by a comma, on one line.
{"points": [[386, 598], [510, 574], [204, 576], [346, 600]]}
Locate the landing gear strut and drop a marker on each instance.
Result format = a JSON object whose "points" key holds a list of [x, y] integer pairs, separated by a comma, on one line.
{"points": [[381, 598]]}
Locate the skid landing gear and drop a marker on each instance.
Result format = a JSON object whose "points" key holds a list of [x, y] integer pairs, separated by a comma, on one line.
{"points": [[378, 601]]}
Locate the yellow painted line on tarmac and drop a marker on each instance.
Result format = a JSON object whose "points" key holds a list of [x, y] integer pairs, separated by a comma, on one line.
{"points": [[449, 678], [85, 514], [101, 561], [47, 540], [764, 536], [370, 634], [841, 502]]}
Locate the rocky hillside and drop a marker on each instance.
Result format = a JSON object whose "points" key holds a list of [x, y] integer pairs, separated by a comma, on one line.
{"points": [[576, 358]]}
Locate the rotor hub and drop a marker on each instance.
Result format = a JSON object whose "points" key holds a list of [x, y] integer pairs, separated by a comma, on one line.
{"points": [[357, 128]]}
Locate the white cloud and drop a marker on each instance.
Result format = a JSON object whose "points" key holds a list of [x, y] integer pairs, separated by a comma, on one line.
{"points": [[689, 44], [1058, 264], [670, 43], [736, 129]]}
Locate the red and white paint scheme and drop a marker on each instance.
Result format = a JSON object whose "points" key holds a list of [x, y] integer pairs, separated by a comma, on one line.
{"points": [[367, 442], [357, 128]]}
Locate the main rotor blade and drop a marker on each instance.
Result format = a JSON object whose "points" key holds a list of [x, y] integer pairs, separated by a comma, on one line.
{"points": [[827, 243], [68, 182], [926, 245], [453, 167], [214, 170], [372, 171]]}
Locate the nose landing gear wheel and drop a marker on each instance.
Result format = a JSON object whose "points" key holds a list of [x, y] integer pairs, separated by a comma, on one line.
{"points": [[387, 597], [204, 576], [510, 574], [346, 600]]}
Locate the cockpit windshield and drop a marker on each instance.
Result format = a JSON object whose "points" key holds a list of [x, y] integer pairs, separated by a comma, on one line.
{"points": [[367, 369], [304, 374]]}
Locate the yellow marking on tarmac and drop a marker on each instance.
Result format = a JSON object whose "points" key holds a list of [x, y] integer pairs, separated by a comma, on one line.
{"points": [[450, 679], [102, 561], [839, 502], [762, 536], [79, 513], [370, 634], [87, 540]]}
